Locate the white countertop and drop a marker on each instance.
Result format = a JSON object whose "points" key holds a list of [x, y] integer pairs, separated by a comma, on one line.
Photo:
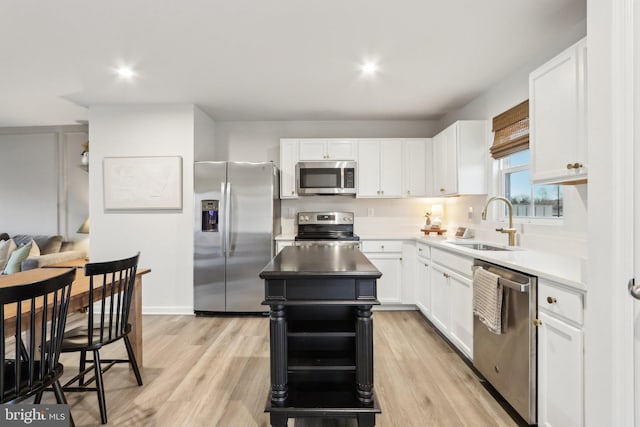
{"points": [[562, 269]]}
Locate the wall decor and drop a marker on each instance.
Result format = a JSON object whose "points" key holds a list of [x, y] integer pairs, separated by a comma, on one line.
{"points": [[142, 183]]}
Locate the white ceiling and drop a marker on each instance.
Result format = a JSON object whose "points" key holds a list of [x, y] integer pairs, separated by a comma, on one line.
{"points": [[268, 59]]}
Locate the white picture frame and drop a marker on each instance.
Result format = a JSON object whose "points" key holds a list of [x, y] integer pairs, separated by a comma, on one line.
{"points": [[132, 183]]}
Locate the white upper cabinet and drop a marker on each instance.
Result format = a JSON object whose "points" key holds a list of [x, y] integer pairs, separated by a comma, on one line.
{"points": [[379, 168], [288, 160], [415, 172], [459, 159], [327, 149], [557, 114]]}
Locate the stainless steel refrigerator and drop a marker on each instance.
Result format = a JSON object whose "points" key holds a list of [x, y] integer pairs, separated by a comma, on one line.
{"points": [[237, 215]]}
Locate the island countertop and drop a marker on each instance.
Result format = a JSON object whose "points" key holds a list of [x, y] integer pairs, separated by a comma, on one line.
{"points": [[320, 261]]}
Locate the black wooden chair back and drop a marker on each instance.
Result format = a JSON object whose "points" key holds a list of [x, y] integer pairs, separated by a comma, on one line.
{"points": [[115, 281], [30, 350]]}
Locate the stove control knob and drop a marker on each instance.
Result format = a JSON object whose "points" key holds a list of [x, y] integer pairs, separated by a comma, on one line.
{"points": [[346, 218]]}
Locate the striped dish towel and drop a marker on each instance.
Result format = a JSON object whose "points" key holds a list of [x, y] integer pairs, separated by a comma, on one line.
{"points": [[487, 299]]}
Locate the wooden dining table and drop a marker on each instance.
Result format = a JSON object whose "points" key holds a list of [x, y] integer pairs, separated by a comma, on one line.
{"points": [[79, 299]]}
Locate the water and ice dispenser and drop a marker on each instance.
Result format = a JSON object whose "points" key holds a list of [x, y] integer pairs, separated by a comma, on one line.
{"points": [[209, 213]]}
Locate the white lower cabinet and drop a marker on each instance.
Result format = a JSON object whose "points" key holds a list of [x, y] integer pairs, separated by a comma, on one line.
{"points": [[389, 285], [422, 279], [440, 298], [461, 330], [452, 298], [560, 357], [386, 255]]}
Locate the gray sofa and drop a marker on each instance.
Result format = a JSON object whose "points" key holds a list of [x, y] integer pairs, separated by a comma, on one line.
{"points": [[52, 250]]}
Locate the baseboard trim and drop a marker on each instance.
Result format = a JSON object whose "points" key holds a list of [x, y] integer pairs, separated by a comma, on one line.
{"points": [[394, 307], [168, 310]]}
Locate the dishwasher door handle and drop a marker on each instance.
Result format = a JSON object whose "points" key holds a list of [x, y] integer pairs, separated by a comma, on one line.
{"points": [[520, 287]]}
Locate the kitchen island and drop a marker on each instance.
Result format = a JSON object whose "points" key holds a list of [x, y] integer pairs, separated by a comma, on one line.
{"points": [[321, 334]]}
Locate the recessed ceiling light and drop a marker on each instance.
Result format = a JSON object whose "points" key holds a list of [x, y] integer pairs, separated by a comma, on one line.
{"points": [[125, 72], [369, 68]]}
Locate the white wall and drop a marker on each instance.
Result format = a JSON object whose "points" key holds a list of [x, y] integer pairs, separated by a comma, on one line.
{"points": [[566, 237], [164, 238], [260, 141], [204, 136], [42, 187]]}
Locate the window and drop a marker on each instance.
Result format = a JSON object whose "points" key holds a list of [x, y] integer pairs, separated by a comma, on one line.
{"points": [[537, 201]]}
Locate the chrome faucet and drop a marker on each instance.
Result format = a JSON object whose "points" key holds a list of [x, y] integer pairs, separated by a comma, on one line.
{"points": [[511, 231]]}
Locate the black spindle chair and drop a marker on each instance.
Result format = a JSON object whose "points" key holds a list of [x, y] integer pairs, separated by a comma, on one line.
{"points": [[112, 282], [36, 315]]}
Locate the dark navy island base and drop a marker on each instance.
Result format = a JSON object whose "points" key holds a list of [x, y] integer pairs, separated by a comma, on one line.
{"points": [[321, 334]]}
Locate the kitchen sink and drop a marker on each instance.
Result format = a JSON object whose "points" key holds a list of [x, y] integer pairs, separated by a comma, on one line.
{"points": [[480, 246]]}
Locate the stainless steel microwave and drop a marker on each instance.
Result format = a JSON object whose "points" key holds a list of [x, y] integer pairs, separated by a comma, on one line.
{"points": [[320, 177]]}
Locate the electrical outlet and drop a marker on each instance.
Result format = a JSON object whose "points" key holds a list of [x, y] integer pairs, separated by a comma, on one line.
{"points": [[370, 212], [292, 212], [470, 213]]}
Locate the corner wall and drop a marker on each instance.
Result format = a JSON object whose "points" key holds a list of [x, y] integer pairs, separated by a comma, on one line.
{"points": [[164, 237]]}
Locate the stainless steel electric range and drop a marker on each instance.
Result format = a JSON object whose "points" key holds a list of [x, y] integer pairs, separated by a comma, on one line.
{"points": [[326, 228]]}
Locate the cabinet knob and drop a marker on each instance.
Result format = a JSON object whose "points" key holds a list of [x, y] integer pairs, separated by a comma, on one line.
{"points": [[574, 165], [552, 300], [537, 322], [292, 192], [442, 190], [408, 192], [382, 247]]}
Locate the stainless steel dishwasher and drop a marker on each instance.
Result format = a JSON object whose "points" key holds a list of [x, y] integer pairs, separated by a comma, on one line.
{"points": [[508, 361]]}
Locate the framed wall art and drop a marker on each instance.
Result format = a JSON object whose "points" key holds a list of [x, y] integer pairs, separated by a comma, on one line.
{"points": [[142, 183]]}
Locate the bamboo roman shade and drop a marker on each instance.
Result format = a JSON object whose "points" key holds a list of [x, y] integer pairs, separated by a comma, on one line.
{"points": [[511, 131]]}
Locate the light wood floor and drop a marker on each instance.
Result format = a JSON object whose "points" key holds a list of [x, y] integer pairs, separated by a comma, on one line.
{"points": [[214, 371]]}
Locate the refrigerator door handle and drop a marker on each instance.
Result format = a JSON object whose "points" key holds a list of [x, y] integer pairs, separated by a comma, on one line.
{"points": [[227, 224], [223, 228]]}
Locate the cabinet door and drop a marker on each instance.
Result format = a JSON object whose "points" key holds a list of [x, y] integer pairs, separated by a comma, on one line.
{"points": [[462, 313], [450, 160], [414, 168], [341, 150], [288, 160], [391, 168], [423, 286], [409, 273], [560, 373], [440, 298], [368, 169], [428, 168], [557, 118], [389, 285], [439, 165], [312, 150]]}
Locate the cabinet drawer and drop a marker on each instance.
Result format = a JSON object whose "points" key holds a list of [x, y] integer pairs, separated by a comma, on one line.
{"points": [[459, 263], [560, 301], [381, 246], [423, 251]]}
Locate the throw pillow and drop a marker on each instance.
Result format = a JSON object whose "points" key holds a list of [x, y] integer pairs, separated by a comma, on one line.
{"points": [[16, 258], [4, 236], [35, 250], [6, 248], [48, 244]]}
